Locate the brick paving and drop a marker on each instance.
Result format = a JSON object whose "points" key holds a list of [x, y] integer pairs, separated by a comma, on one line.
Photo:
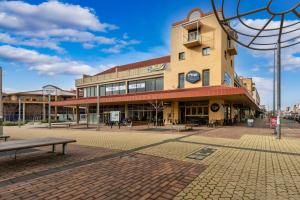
{"points": [[253, 165], [135, 176]]}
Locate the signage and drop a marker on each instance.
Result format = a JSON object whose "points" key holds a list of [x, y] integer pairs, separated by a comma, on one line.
{"points": [[115, 88], [158, 67], [114, 116], [193, 77], [136, 85], [214, 107], [49, 90], [273, 122]]}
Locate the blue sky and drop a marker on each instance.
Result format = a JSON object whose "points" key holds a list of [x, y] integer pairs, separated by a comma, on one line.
{"points": [[57, 41]]}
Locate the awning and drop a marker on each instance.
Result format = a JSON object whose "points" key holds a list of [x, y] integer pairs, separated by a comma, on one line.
{"points": [[234, 94]]}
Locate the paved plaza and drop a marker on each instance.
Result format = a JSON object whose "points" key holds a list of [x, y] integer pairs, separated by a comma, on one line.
{"points": [[248, 163]]}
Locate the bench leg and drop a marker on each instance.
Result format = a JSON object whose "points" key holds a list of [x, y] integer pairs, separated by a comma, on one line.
{"points": [[53, 148], [64, 149]]}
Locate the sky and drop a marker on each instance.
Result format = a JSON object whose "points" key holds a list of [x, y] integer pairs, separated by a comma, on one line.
{"points": [[55, 42]]}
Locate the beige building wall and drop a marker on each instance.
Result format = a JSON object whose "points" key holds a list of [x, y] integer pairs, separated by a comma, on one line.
{"points": [[212, 36]]}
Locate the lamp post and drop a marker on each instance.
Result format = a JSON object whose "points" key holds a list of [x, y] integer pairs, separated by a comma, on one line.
{"points": [[1, 104], [98, 108], [49, 110], [19, 114], [270, 36]]}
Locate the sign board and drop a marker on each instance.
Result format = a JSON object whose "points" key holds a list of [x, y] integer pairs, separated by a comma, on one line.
{"points": [[193, 77], [115, 116], [214, 107], [115, 88], [49, 90], [273, 122], [137, 85], [157, 67]]}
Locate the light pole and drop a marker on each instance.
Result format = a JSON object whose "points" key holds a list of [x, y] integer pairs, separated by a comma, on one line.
{"points": [[1, 104], [270, 36], [274, 88], [49, 110], [98, 108], [19, 116]]}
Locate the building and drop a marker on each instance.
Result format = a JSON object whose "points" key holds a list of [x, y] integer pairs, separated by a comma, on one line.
{"points": [[33, 105], [196, 83]]}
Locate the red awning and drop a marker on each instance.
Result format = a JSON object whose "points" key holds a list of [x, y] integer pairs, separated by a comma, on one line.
{"points": [[178, 94]]}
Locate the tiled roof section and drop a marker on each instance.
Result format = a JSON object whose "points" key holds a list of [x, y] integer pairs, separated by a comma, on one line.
{"points": [[165, 59], [202, 14]]}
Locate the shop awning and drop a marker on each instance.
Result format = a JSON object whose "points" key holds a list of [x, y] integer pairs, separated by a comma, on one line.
{"points": [[228, 93]]}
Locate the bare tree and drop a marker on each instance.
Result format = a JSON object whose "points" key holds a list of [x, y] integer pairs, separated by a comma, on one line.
{"points": [[158, 106]]}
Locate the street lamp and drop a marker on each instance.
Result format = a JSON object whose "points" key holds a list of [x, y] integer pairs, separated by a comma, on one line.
{"points": [[270, 36]]}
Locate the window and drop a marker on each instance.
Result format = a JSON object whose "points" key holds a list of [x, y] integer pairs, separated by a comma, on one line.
{"points": [[181, 80], [150, 85], [205, 81], [102, 90], [181, 56], [225, 54], [206, 51], [159, 84], [108, 90]]}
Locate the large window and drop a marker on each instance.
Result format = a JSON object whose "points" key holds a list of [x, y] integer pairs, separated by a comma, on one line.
{"points": [[90, 91], [205, 77], [112, 89], [181, 80], [146, 85]]}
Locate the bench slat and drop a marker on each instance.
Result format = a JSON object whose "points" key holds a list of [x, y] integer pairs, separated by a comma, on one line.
{"points": [[32, 143]]}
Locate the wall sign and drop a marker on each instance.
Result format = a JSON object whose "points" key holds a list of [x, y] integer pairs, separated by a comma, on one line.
{"points": [[136, 86], [114, 116], [193, 77], [157, 67], [214, 107]]}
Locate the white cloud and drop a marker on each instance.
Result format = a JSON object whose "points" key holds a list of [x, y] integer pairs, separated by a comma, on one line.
{"points": [[119, 46], [265, 88], [44, 64], [51, 23], [18, 15]]}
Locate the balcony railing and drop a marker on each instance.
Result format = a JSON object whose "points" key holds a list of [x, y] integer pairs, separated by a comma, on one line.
{"points": [[192, 39]]}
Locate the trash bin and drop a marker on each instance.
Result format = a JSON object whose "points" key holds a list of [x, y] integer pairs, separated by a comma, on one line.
{"points": [[250, 122]]}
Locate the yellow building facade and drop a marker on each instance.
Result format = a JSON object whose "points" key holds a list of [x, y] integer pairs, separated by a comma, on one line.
{"points": [[195, 84]]}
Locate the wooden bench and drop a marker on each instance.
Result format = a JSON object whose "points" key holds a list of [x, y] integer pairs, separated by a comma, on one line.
{"points": [[4, 137], [33, 143]]}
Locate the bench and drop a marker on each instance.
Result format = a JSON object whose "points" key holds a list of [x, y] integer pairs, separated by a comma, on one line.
{"points": [[183, 127], [33, 143], [65, 124], [4, 137]]}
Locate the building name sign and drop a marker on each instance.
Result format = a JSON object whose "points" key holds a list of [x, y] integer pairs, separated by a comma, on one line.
{"points": [[49, 90], [157, 67], [193, 77], [115, 88], [214, 107], [137, 85]]}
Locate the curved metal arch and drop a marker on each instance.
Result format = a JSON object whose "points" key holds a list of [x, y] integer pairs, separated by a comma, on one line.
{"points": [[225, 26]]}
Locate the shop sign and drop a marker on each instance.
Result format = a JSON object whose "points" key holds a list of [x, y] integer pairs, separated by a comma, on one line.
{"points": [[49, 90], [114, 116], [193, 76], [115, 88], [158, 67], [136, 85], [214, 107]]}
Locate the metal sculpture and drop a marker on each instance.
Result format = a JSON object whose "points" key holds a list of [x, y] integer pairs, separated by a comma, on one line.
{"points": [[276, 33]]}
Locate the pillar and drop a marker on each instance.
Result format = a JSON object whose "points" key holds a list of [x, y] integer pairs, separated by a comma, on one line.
{"points": [[55, 110], [126, 111], [24, 112], [44, 109], [77, 114], [87, 116]]}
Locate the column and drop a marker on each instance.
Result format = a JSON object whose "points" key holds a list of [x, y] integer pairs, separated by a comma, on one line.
{"points": [[87, 116], [55, 110], [77, 114], [24, 114], [126, 111]]}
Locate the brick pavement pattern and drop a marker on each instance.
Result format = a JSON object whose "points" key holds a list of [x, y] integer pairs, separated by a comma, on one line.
{"points": [[252, 164]]}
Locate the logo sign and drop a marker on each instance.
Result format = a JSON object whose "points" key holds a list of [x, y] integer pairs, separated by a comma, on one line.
{"points": [[193, 77], [137, 85], [49, 90], [158, 67], [114, 116], [214, 107]]}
